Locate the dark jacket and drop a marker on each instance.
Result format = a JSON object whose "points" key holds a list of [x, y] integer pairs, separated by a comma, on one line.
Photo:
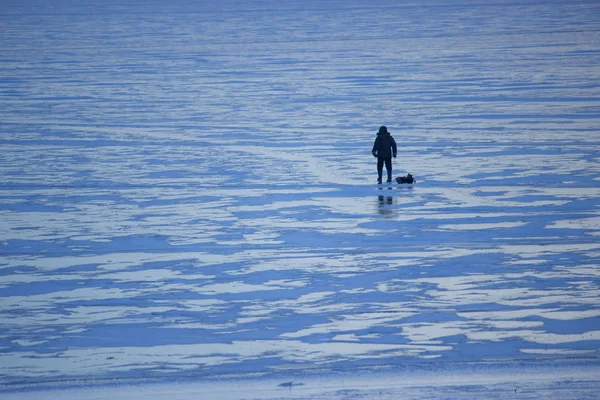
{"points": [[384, 146]]}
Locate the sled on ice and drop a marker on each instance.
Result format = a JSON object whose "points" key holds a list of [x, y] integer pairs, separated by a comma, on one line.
{"points": [[406, 179]]}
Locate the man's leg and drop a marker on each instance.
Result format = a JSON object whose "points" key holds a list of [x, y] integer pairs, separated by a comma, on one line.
{"points": [[379, 169], [388, 167]]}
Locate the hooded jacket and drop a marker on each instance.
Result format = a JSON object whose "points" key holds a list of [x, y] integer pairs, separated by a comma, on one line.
{"points": [[385, 145]]}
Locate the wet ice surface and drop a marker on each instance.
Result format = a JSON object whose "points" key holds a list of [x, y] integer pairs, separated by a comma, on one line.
{"points": [[489, 382], [188, 191]]}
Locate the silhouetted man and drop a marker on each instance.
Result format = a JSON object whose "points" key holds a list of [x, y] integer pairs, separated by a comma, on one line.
{"points": [[384, 149]]}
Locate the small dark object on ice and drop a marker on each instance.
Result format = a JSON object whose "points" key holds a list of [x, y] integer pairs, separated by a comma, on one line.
{"points": [[406, 179], [290, 384]]}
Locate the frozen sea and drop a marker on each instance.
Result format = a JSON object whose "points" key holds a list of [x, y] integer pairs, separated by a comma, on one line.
{"points": [[188, 206]]}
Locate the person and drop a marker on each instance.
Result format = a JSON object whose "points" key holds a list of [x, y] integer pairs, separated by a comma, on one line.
{"points": [[384, 149]]}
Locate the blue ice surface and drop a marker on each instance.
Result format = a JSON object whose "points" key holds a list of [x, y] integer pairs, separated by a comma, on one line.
{"points": [[187, 189]]}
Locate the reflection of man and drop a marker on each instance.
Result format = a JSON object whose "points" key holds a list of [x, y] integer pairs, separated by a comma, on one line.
{"points": [[384, 149], [385, 201]]}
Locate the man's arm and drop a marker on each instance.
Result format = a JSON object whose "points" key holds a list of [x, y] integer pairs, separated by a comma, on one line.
{"points": [[394, 147], [375, 147]]}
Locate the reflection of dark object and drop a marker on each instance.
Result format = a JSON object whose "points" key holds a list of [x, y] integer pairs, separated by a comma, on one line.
{"points": [[406, 179]]}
